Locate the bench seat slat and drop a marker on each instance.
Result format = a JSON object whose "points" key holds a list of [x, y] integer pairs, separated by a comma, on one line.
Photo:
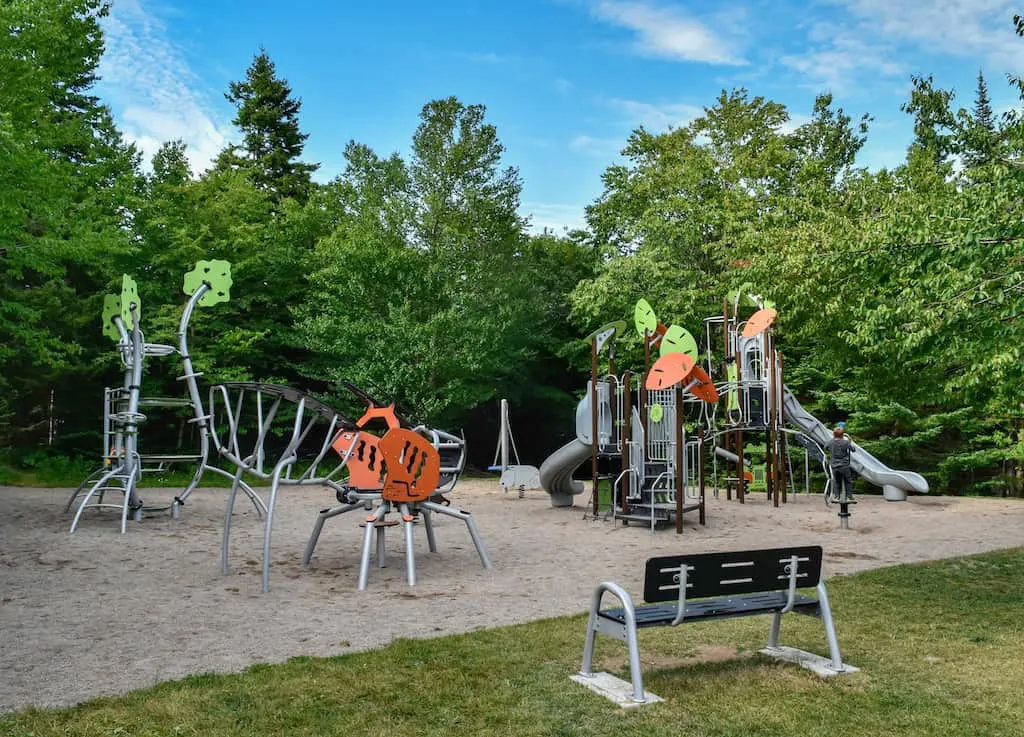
{"points": [[655, 615]]}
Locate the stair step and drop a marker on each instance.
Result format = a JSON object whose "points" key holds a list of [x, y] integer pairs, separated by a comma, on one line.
{"points": [[643, 518], [165, 402]]}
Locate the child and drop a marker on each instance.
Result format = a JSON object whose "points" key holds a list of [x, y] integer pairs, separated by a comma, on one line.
{"points": [[839, 449]]}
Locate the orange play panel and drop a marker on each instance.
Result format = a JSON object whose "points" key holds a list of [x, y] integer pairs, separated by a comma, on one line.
{"points": [[759, 322], [705, 388], [669, 370]]}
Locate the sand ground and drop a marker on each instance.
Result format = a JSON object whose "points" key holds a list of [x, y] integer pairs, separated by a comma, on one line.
{"points": [[99, 613]]}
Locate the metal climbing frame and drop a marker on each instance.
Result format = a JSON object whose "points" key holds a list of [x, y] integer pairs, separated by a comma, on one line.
{"points": [[123, 462], [121, 416], [254, 416]]}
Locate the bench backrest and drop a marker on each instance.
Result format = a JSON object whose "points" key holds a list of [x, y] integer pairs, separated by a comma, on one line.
{"points": [[727, 574]]}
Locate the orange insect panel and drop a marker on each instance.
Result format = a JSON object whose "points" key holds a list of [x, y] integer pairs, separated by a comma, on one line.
{"points": [[366, 463], [385, 413], [413, 466]]}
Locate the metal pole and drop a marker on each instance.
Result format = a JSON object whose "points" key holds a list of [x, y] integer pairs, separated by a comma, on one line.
{"points": [[504, 435], [785, 471], [627, 435], [700, 470]]}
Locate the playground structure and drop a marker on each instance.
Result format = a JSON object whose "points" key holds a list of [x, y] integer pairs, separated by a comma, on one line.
{"points": [[725, 401], [123, 462], [275, 433]]}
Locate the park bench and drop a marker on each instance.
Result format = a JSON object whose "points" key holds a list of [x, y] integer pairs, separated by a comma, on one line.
{"points": [[693, 588]]}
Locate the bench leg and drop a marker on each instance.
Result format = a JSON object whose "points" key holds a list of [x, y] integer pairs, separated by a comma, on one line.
{"points": [[773, 633], [830, 629], [587, 667]]}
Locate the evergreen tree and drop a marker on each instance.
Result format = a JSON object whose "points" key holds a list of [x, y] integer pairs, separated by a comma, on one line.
{"points": [[980, 133], [170, 164], [268, 117], [982, 106], [67, 182]]}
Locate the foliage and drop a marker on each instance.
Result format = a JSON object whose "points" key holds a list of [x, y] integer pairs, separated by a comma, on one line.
{"points": [[65, 179], [268, 116], [899, 291], [426, 286]]}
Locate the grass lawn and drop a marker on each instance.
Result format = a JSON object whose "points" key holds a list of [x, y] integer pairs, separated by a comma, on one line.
{"points": [[940, 645]]}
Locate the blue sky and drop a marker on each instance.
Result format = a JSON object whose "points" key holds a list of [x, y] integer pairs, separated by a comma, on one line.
{"points": [[564, 81]]}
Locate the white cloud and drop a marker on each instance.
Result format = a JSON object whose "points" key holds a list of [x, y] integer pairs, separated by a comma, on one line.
{"points": [[602, 147], [152, 91], [965, 27], [879, 37], [666, 32], [840, 56], [657, 117], [553, 216]]}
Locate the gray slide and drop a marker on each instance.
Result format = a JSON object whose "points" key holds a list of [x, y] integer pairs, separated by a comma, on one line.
{"points": [[557, 470], [864, 464]]}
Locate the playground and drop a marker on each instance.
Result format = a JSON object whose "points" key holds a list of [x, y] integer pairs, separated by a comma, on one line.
{"points": [[97, 612], [412, 562]]}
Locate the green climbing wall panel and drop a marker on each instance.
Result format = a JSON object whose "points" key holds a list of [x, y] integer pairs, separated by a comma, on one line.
{"points": [[111, 308], [215, 273], [129, 297]]}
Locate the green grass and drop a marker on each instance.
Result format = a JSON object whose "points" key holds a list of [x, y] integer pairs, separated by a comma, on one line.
{"points": [[939, 645]]}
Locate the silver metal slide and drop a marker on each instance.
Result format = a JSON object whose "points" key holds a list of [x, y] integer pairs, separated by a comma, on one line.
{"points": [[863, 463], [557, 469]]}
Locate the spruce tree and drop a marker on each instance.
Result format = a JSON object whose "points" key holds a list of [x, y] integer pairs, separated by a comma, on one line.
{"points": [[268, 116], [981, 144]]}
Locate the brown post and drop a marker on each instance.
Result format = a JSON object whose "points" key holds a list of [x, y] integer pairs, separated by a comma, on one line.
{"points": [[680, 455], [593, 423], [627, 435], [729, 445], [771, 457], [741, 481]]}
